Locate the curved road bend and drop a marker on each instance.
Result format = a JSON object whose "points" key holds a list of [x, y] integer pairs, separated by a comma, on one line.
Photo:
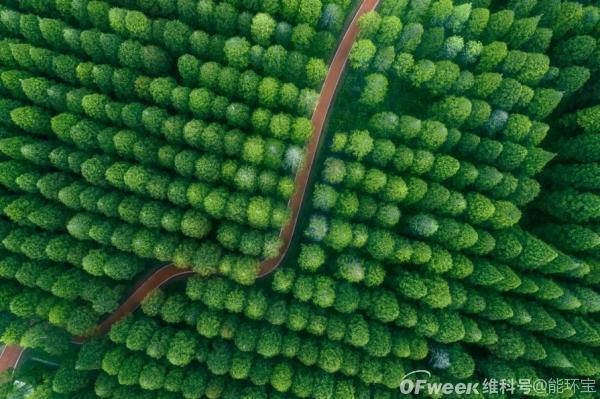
{"points": [[149, 283], [170, 272], [334, 75]]}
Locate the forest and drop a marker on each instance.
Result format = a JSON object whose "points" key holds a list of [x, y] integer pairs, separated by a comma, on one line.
{"points": [[446, 217]]}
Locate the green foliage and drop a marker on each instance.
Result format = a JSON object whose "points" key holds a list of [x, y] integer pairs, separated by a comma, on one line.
{"points": [[262, 29], [237, 52], [453, 222], [375, 90], [31, 119], [362, 53]]}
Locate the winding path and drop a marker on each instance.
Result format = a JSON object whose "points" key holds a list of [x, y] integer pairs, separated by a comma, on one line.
{"points": [[11, 355]]}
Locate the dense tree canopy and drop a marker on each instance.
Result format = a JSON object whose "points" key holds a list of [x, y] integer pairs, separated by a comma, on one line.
{"points": [[451, 221]]}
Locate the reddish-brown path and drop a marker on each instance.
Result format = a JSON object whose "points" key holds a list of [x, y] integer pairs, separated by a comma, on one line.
{"points": [[149, 283], [10, 357], [170, 272], [334, 75]]}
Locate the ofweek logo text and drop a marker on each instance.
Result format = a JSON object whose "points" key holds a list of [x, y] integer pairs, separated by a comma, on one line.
{"points": [[417, 386]]}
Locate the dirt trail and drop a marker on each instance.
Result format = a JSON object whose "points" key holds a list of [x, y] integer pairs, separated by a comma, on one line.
{"points": [[170, 272]]}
